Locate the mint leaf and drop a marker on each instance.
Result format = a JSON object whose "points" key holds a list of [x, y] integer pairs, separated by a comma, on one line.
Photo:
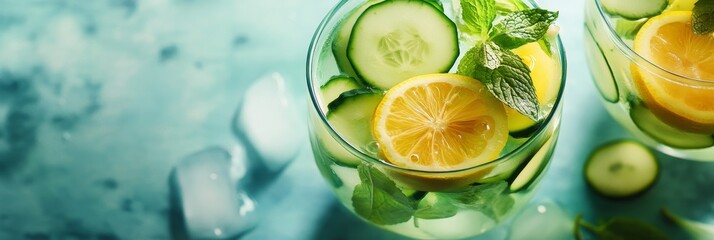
{"points": [[491, 199], [518, 28], [378, 199], [478, 15], [620, 228], [504, 74], [434, 206], [703, 17]]}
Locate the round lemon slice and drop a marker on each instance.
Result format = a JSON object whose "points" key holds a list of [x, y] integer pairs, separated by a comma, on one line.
{"points": [[668, 41], [440, 122]]}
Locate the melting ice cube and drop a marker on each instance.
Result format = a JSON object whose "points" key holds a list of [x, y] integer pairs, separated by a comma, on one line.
{"points": [[212, 206], [544, 220], [269, 121]]}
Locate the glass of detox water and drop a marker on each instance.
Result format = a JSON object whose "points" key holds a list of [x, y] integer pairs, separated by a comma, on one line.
{"points": [[433, 119], [655, 74]]}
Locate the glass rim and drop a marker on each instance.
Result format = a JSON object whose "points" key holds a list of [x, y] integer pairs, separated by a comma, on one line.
{"points": [[639, 59], [313, 88]]}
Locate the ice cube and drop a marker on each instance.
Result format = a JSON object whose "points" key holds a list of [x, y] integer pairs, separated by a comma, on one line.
{"points": [[544, 220], [268, 120], [212, 206]]}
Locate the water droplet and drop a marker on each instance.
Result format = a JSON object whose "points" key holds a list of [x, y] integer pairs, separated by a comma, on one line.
{"points": [[542, 209], [217, 231], [372, 147]]}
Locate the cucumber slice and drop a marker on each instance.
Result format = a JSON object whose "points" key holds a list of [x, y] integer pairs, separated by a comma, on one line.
{"points": [[648, 123], [435, 3], [535, 166], [681, 5], [336, 86], [398, 39], [341, 40], [522, 127], [634, 9], [600, 69], [622, 168], [628, 28], [350, 115]]}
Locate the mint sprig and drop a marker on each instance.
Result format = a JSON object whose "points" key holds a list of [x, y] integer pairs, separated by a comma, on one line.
{"points": [[619, 228], [478, 16], [504, 74], [518, 28], [379, 200], [703, 17], [491, 62]]}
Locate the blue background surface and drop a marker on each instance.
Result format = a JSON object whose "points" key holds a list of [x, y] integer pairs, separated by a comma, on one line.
{"points": [[99, 100]]}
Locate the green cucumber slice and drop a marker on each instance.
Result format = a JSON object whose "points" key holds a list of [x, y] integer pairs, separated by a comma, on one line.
{"points": [[621, 168], [648, 123], [600, 69], [350, 115], [628, 29], [435, 3], [398, 39], [535, 166], [341, 40], [336, 86], [634, 9]]}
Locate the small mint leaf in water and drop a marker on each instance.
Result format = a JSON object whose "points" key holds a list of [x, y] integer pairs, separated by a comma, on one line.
{"points": [[504, 74], [478, 15], [378, 199], [491, 199], [703, 17], [518, 28], [434, 206]]}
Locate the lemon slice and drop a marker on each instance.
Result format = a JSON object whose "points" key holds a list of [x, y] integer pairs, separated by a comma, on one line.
{"points": [[668, 41], [440, 122]]}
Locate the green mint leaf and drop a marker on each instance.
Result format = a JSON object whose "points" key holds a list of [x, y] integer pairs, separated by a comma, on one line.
{"points": [[478, 15], [491, 199], [703, 17], [378, 199], [621, 228], [504, 74], [628, 228], [545, 45], [518, 28], [434, 206]]}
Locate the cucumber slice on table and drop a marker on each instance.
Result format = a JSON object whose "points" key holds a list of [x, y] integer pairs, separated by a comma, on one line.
{"points": [[350, 115], [336, 86], [398, 39], [341, 40], [646, 121], [634, 9], [621, 169]]}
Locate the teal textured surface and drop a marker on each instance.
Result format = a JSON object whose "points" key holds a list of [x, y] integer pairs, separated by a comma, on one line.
{"points": [[98, 101]]}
